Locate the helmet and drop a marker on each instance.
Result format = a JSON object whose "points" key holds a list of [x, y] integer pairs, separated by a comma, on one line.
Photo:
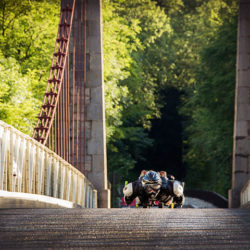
{"points": [[151, 182]]}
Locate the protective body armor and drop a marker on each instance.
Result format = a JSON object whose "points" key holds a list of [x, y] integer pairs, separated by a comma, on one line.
{"points": [[165, 189]]}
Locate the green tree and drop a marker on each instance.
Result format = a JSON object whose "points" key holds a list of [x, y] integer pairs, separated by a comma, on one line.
{"points": [[27, 38], [212, 104], [199, 59], [17, 105], [131, 27]]}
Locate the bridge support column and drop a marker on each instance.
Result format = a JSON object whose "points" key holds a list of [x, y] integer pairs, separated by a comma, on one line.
{"points": [[87, 82], [96, 144], [241, 150]]}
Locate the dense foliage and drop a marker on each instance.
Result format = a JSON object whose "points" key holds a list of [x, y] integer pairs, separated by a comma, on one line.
{"points": [[169, 82], [210, 131], [188, 71], [27, 38]]}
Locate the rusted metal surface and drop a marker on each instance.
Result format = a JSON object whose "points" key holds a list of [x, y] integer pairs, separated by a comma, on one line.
{"points": [[56, 75], [125, 228], [62, 121], [84, 85]]}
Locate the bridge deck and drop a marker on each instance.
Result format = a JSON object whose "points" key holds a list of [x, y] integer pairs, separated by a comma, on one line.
{"points": [[125, 228]]}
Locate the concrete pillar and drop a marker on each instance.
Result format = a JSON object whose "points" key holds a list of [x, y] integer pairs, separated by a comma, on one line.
{"points": [[96, 144], [91, 113], [241, 150]]}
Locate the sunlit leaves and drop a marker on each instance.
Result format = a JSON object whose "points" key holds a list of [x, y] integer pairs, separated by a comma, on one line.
{"points": [[17, 106], [130, 28], [27, 38], [212, 103]]}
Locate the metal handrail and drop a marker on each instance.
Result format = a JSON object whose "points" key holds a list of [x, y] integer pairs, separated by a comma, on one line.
{"points": [[30, 167], [245, 194]]}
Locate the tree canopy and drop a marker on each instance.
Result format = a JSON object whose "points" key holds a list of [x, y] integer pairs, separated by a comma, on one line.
{"points": [[28, 31]]}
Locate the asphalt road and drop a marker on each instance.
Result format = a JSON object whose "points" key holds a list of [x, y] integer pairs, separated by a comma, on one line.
{"points": [[125, 228]]}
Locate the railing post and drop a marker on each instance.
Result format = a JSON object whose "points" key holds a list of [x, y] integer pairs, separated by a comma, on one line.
{"points": [[10, 172], [74, 188], [62, 193], [30, 185], [48, 174], [40, 170], [84, 193], [55, 178], [87, 197], [3, 160], [68, 186], [95, 199], [80, 189], [21, 164]]}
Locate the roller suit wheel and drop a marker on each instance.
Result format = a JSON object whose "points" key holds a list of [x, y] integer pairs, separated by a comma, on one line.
{"points": [[161, 205]]}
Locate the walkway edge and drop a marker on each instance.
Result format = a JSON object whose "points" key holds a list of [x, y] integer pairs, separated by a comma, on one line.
{"points": [[26, 200]]}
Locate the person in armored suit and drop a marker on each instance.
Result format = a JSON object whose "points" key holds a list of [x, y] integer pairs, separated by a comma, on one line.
{"points": [[152, 186]]}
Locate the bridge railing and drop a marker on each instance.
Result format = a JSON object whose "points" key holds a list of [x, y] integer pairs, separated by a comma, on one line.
{"points": [[245, 195], [28, 166]]}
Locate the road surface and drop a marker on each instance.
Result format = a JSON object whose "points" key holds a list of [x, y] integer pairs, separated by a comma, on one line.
{"points": [[125, 228]]}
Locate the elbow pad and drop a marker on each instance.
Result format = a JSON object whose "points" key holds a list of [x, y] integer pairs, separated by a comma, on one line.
{"points": [[177, 188], [128, 190]]}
